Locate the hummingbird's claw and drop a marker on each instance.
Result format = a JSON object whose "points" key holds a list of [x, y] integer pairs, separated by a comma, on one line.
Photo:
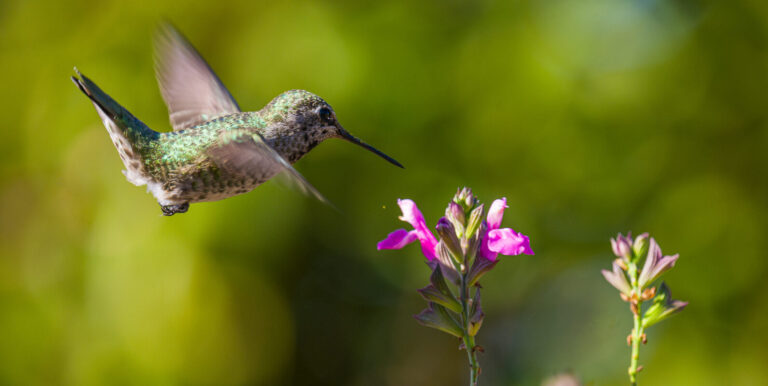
{"points": [[170, 210]]}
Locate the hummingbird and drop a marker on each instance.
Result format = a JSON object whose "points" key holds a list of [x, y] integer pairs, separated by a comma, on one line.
{"points": [[215, 150]]}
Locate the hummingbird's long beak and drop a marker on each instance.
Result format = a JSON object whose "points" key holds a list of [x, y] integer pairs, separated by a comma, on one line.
{"points": [[351, 138]]}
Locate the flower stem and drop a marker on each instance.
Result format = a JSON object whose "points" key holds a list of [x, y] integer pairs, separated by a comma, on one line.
{"points": [[637, 330], [637, 333], [469, 341], [474, 367]]}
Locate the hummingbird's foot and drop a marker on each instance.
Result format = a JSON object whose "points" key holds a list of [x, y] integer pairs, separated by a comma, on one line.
{"points": [[170, 210]]}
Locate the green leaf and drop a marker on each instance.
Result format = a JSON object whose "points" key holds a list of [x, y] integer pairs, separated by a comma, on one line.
{"points": [[438, 317], [432, 294]]}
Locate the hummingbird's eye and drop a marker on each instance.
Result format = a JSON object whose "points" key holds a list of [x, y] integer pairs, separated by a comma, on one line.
{"points": [[324, 113]]}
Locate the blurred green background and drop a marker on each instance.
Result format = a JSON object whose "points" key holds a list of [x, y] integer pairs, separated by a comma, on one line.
{"points": [[591, 117]]}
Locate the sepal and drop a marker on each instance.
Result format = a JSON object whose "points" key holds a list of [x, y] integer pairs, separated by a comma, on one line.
{"points": [[438, 317], [474, 243], [476, 314], [438, 292], [663, 307], [479, 268], [446, 263], [447, 259]]}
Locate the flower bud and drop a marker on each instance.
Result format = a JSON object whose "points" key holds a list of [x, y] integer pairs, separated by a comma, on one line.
{"points": [[618, 279], [448, 236], [465, 198], [455, 214], [622, 247], [655, 264], [475, 219], [640, 245]]}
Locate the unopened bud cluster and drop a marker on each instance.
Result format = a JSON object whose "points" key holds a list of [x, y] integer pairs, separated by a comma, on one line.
{"points": [[635, 287]]}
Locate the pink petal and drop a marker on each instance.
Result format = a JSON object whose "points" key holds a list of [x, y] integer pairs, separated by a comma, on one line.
{"points": [[651, 261], [411, 213], [496, 212], [428, 245], [397, 239], [661, 266], [508, 242], [483, 250], [413, 216], [617, 279]]}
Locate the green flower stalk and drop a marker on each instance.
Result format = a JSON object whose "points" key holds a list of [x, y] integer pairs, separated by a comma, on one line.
{"points": [[635, 288], [467, 249]]}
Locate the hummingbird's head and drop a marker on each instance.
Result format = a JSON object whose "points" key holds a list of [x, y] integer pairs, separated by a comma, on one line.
{"points": [[313, 120]]}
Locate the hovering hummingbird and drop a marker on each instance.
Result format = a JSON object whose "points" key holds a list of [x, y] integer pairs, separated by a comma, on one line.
{"points": [[215, 150]]}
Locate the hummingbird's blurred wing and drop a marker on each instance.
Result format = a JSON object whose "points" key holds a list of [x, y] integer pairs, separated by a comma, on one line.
{"points": [[192, 92], [249, 155]]}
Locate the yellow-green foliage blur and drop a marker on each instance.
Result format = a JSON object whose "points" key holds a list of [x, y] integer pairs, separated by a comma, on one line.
{"points": [[591, 117]]}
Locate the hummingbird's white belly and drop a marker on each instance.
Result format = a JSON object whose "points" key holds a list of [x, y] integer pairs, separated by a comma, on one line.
{"points": [[156, 188]]}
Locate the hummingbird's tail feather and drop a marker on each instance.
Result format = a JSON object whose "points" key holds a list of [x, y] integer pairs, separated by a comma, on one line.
{"points": [[127, 123], [130, 136]]}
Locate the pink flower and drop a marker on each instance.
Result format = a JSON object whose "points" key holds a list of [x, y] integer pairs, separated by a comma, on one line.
{"points": [[495, 240], [401, 237], [505, 240]]}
